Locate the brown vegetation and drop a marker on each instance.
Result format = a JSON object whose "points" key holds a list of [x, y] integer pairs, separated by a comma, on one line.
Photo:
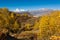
{"points": [[26, 27]]}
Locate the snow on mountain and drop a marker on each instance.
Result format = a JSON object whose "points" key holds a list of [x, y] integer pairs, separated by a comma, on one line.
{"points": [[35, 13], [41, 11], [19, 10]]}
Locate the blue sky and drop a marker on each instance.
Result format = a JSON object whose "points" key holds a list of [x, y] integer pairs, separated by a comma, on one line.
{"points": [[30, 4]]}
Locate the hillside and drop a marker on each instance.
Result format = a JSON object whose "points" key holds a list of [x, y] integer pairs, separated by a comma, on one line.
{"points": [[24, 26]]}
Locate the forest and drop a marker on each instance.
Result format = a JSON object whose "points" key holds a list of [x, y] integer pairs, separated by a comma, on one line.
{"points": [[24, 26]]}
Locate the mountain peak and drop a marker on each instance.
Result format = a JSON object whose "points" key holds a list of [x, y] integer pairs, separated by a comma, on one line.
{"points": [[19, 10]]}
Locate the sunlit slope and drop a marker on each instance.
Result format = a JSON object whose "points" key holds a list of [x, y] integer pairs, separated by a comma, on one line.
{"points": [[49, 25], [27, 27]]}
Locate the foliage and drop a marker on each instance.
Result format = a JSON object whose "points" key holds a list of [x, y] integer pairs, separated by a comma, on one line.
{"points": [[33, 28]]}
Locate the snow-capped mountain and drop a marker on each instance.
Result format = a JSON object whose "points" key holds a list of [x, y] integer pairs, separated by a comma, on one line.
{"points": [[19, 10], [37, 12], [40, 12]]}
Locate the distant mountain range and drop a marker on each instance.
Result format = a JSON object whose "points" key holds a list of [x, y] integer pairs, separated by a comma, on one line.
{"points": [[36, 13], [40, 12]]}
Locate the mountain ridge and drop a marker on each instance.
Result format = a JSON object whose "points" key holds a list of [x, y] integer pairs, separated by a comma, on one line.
{"points": [[36, 13]]}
